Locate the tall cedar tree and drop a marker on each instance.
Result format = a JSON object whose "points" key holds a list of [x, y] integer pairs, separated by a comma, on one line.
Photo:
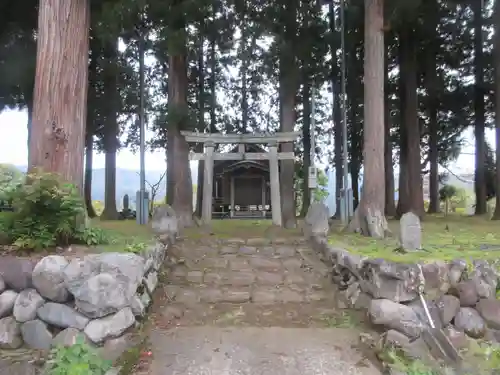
{"points": [[373, 197], [60, 94]]}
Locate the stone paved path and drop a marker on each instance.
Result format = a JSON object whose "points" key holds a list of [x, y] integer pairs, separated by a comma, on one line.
{"points": [[250, 307]]}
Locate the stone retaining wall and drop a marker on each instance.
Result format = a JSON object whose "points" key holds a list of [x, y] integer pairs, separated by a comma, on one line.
{"points": [[52, 301], [461, 298]]}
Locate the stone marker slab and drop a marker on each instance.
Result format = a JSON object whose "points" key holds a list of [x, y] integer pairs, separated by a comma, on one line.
{"points": [[410, 232]]}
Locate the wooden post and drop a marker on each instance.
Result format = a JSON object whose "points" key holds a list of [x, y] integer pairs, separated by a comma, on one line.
{"points": [[274, 177], [263, 188], [208, 182], [232, 197]]}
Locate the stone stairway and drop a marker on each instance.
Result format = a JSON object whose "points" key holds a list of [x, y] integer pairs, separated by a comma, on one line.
{"points": [[250, 306]]}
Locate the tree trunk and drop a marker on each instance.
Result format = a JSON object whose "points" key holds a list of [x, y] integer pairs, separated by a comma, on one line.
{"points": [[89, 148], [373, 196], [434, 206], [306, 140], [180, 188], [356, 144], [338, 153], [412, 128], [355, 147], [287, 168], [480, 178], [354, 170], [201, 122], [337, 115], [496, 52], [244, 78], [60, 95], [288, 82], [432, 89], [29, 125], [390, 207], [403, 193], [111, 130]]}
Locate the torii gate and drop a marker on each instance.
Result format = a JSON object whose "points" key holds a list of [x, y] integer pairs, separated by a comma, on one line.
{"points": [[209, 141]]}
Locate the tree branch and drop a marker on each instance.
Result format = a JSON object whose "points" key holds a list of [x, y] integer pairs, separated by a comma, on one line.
{"points": [[457, 176]]}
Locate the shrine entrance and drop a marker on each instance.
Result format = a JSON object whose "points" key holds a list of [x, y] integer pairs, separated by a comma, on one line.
{"points": [[246, 179]]}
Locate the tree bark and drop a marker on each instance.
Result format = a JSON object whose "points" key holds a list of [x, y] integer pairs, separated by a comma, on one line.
{"points": [[403, 194], [201, 123], [434, 205], [480, 172], [29, 125], [373, 196], [306, 140], [390, 206], [337, 115], [496, 54], [354, 171], [288, 82], [60, 94], [89, 148], [246, 55], [111, 130], [412, 128], [180, 187], [356, 144], [432, 105], [287, 168]]}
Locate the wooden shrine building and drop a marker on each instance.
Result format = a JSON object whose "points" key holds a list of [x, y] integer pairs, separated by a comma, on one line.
{"points": [[242, 187], [245, 181]]}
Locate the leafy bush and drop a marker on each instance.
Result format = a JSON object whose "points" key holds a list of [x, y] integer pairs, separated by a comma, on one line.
{"points": [[92, 236], [77, 359], [46, 212], [10, 177], [136, 248], [447, 192]]}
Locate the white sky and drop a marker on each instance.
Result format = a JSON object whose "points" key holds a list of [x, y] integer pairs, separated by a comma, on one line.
{"points": [[13, 148]]}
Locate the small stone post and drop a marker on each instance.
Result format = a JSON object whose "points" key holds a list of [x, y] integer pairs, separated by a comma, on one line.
{"points": [[125, 207], [208, 180], [274, 177]]}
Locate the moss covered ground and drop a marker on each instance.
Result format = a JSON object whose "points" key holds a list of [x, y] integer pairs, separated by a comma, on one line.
{"points": [[124, 235], [242, 228], [443, 238]]}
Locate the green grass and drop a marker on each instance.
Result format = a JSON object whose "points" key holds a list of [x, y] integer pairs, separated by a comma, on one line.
{"points": [[125, 235], [443, 238], [341, 320], [242, 228]]}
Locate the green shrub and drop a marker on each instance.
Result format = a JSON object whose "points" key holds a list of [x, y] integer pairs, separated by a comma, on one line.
{"points": [[77, 359], [92, 236], [10, 177], [47, 212], [135, 248]]}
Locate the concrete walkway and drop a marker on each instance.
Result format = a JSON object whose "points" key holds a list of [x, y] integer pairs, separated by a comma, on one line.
{"points": [[256, 351], [251, 307]]}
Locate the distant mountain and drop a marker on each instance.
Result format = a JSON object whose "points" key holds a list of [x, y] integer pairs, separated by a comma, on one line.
{"points": [[127, 182], [462, 181]]}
